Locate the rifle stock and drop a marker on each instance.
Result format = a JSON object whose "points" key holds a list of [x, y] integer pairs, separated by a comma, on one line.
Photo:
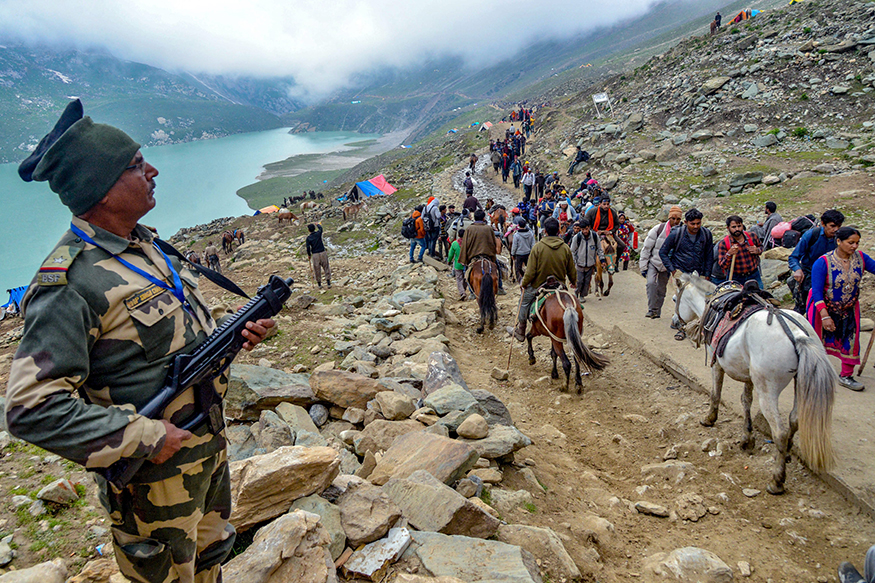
{"points": [[198, 369]]}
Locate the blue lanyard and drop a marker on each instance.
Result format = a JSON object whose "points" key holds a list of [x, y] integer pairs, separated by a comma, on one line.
{"points": [[177, 289]]}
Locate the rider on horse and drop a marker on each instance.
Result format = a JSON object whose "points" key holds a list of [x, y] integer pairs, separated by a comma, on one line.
{"points": [[549, 256], [480, 241], [605, 220]]}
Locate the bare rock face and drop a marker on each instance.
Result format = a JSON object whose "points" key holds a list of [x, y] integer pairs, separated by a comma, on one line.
{"points": [[445, 459], [689, 564], [264, 486], [366, 513], [545, 545], [344, 389], [294, 547], [430, 505]]}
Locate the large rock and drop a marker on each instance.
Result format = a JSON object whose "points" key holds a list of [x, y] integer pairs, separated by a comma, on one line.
{"points": [[297, 418], [379, 435], [496, 411], [366, 513], [394, 405], [545, 545], [253, 389], [473, 560], [49, 572], [634, 122], [745, 179], [448, 398], [373, 560], [474, 427], [778, 253], [445, 459], [773, 270], [442, 370], [329, 516], [689, 564], [714, 84], [502, 440], [294, 547], [271, 432], [666, 153], [344, 389], [765, 141], [429, 504], [264, 486]]}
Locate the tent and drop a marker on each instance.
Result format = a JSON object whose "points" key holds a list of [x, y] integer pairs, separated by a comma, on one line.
{"points": [[795, 2], [376, 186], [744, 15], [15, 295], [267, 210]]}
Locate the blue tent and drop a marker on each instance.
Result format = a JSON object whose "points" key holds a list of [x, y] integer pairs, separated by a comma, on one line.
{"points": [[367, 189], [15, 296]]}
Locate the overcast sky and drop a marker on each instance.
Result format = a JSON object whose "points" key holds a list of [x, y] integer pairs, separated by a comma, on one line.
{"points": [[319, 42]]}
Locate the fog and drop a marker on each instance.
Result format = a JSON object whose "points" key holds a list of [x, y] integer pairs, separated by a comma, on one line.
{"points": [[319, 43]]}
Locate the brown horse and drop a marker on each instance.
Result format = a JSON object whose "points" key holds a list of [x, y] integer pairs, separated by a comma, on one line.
{"points": [[609, 248], [229, 237], [561, 318], [498, 217], [352, 211], [483, 277], [193, 257], [285, 214]]}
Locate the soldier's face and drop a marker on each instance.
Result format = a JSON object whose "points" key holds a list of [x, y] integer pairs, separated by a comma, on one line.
{"points": [[132, 196]]}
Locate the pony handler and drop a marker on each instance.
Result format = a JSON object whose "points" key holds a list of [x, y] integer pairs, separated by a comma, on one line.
{"points": [[764, 348]]}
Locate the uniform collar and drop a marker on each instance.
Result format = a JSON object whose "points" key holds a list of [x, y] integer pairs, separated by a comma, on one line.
{"points": [[110, 241]]}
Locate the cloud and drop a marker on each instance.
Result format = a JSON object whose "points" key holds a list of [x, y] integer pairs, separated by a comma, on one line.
{"points": [[321, 43]]}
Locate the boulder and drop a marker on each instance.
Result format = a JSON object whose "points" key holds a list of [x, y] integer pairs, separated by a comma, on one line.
{"points": [[837, 144], [366, 513], [442, 370], [329, 516], [474, 427], [702, 135], [496, 411], [271, 432], [823, 169], [633, 123], [60, 492], [689, 564], [745, 179], [545, 545], [773, 270], [778, 253], [451, 397], [373, 560], [714, 84], [344, 389], [610, 182], [253, 389], [506, 501], [429, 504], [445, 459], [264, 486], [241, 443], [394, 405], [379, 435], [97, 571], [765, 141], [502, 440], [666, 153], [294, 547], [472, 559], [53, 571]]}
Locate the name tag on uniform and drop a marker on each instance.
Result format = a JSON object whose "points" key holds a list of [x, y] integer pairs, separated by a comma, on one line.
{"points": [[143, 297]]}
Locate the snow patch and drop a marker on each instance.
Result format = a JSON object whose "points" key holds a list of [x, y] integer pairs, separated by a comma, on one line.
{"points": [[61, 76]]}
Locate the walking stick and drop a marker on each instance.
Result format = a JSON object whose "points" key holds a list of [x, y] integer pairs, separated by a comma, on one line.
{"points": [[866, 356], [520, 307], [732, 267]]}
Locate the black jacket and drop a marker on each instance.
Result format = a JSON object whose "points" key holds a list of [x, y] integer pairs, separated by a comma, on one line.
{"points": [[314, 242], [688, 254]]}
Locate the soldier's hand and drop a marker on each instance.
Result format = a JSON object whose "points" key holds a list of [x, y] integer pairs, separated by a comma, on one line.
{"points": [[172, 442], [256, 332]]}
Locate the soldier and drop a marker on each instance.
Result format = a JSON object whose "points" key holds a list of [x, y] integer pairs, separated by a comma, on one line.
{"points": [[212, 254], [105, 315]]}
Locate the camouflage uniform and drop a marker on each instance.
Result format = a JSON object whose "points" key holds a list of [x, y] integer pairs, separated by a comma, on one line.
{"points": [[96, 326]]}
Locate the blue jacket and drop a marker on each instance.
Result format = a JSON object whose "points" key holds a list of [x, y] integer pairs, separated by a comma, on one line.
{"points": [[681, 251], [811, 246]]}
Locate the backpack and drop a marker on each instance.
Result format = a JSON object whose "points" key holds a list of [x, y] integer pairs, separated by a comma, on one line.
{"points": [[585, 156], [428, 222], [803, 223], [790, 239], [408, 228], [727, 241]]}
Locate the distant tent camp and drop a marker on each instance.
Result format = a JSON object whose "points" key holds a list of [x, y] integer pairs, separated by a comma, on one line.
{"points": [[267, 210], [376, 186], [744, 15]]}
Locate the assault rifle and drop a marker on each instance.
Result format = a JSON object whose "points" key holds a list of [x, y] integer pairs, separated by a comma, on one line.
{"points": [[198, 369]]}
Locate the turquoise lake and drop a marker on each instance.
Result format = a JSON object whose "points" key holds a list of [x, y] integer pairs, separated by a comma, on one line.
{"points": [[197, 183]]}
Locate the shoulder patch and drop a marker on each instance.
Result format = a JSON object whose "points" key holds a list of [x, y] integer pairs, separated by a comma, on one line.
{"points": [[54, 269]]}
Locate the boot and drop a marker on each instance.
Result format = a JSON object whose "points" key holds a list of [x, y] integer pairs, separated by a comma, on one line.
{"points": [[519, 332], [848, 574]]}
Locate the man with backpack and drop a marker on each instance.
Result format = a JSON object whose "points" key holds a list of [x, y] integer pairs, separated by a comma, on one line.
{"points": [[651, 265], [813, 244], [580, 157], [431, 219], [745, 248], [587, 251], [413, 229], [469, 184], [772, 219]]}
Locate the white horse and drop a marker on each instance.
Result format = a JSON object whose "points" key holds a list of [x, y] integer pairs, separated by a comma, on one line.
{"points": [[762, 355]]}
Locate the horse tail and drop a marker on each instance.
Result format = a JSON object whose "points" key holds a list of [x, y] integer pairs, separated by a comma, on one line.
{"points": [[590, 359], [815, 386], [488, 307]]}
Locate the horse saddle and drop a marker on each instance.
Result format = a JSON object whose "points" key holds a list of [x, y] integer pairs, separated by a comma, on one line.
{"points": [[548, 287], [733, 302]]}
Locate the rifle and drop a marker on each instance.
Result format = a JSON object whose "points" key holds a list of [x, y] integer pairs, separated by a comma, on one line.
{"points": [[198, 369]]}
